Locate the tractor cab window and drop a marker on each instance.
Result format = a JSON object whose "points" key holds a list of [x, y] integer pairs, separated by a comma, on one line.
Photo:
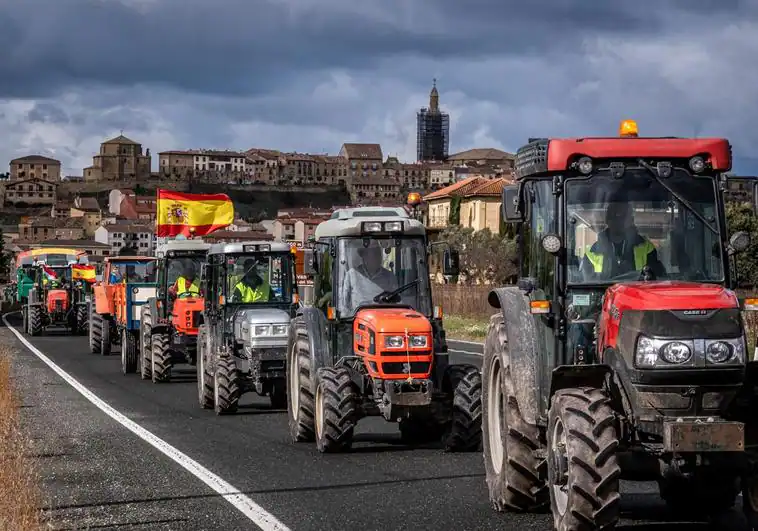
{"points": [[616, 228], [132, 272], [186, 268], [259, 278], [372, 267]]}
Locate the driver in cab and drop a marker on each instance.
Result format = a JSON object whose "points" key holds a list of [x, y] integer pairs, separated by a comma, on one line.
{"points": [[620, 248], [187, 282], [252, 288], [368, 280]]}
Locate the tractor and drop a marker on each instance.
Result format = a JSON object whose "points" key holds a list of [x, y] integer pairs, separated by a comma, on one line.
{"points": [[128, 299], [171, 318], [55, 299], [251, 296], [373, 344], [621, 352], [119, 273]]}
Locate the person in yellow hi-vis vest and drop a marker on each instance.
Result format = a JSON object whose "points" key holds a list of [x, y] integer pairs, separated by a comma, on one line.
{"points": [[252, 288], [187, 282], [620, 248]]}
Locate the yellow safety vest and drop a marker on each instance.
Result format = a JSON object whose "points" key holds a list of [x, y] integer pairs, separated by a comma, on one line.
{"points": [[261, 293], [182, 286], [641, 250]]}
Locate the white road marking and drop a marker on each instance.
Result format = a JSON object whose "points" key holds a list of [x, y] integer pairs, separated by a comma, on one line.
{"points": [[469, 352], [478, 344], [257, 514]]}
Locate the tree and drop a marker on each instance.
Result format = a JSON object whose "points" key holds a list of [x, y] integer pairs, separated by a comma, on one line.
{"points": [[484, 256]]}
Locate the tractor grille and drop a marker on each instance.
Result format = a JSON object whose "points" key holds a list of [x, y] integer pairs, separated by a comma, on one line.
{"points": [[399, 367]]}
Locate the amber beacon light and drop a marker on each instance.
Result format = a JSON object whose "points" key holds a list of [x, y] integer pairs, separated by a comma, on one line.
{"points": [[628, 128]]}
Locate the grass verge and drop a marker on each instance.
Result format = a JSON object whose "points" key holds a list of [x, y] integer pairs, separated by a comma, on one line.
{"points": [[20, 496], [467, 328]]}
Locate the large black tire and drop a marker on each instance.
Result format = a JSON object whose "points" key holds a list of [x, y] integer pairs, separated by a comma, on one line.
{"points": [[336, 410], [204, 378], [464, 433], [160, 358], [105, 336], [226, 388], [82, 320], [583, 470], [706, 494], [95, 331], [25, 320], [146, 344], [128, 352], [301, 389], [35, 320], [278, 394], [509, 442]]}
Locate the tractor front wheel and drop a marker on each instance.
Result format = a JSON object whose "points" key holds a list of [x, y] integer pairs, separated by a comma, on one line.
{"points": [[160, 362], [145, 344], [81, 321], [226, 392], [336, 410], [204, 378], [464, 433], [105, 336], [583, 470], [35, 320], [300, 388], [95, 331], [128, 351]]}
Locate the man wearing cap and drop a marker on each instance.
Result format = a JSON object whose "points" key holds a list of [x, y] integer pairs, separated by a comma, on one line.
{"points": [[368, 280], [620, 248], [187, 282], [252, 288]]}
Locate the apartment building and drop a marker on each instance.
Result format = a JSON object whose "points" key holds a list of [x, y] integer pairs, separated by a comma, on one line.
{"points": [[125, 237], [32, 192], [35, 167]]}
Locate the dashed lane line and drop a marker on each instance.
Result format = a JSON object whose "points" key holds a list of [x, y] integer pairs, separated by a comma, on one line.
{"points": [[257, 514]]}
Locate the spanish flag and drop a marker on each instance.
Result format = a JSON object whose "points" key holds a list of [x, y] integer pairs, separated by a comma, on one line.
{"points": [[83, 272], [192, 214]]}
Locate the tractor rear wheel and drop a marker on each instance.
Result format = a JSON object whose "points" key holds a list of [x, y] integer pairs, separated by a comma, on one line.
{"points": [[35, 320], [464, 433], [300, 388], [25, 320], [278, 394], [81, 320], [509, 441], [336, 410], [160, 358], [583, 470], [105, 336], [128, 352], [95, 331], [226, 389], [204, 378], [145, 344]]}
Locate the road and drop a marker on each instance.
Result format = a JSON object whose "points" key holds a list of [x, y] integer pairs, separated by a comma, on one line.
{"points": [[102, 473]]}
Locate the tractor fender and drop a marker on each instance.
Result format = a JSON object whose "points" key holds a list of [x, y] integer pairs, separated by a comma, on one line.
{"points": [[522, 349], [318, 342], [572, 376]]}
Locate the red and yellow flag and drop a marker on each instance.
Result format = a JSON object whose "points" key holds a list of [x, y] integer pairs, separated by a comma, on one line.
{"points": [[192, 214], [83, 272]]}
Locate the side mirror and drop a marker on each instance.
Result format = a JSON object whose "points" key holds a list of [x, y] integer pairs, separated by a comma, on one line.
{"points": [[451, 263], [739, 241], [310, 264], [511, 207]]}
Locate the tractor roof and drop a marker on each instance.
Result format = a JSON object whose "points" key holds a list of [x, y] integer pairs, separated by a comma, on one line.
{"points": [[348, 222], [239, 247], [183, 245], [116, 259]]}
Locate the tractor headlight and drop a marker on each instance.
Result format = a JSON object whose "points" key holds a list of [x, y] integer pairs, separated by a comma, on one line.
{"points": [[676, 353], [393, 341], [663, 353], [261, 330], [280, 329], [417, 341], [730, 351]]}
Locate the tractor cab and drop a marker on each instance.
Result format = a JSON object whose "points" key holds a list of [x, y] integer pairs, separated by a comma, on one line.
{"points": [[621, 351]]}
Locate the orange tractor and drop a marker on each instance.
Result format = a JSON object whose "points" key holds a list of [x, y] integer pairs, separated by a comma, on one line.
{"points": [[373, 344], [111, 320]]}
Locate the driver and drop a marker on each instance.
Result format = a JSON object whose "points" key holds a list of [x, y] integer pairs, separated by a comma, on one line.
{"points": [[187, 282], [369, 279], [620, 248], [252, 288]]}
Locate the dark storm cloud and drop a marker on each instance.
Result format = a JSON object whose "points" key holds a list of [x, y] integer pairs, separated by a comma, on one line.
{"points": [[252, 47]]}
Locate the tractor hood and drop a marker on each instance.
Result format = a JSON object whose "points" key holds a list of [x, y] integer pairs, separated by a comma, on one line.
{"points": [[670, 295]]}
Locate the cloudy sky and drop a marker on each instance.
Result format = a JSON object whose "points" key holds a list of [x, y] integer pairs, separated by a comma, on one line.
{"points": [[308, 75]]}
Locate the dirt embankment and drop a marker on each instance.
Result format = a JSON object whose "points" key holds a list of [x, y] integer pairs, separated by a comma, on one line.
{"points": [[20, 496]]}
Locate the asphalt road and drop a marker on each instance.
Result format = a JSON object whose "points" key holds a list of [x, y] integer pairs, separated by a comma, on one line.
{"points": [[104, 476]]}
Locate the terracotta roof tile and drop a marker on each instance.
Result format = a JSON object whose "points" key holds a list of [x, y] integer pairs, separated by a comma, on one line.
{"points": [[460, 189], [493, 188], [363, 151]]}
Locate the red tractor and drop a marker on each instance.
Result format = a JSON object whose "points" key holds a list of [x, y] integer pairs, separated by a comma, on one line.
{"points": [[621, 353]]}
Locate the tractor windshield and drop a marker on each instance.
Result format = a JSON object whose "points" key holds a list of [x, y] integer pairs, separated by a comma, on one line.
{"points": [[260, 278], [186, 268], [369, 267], [637, 227], [132, 272]]}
